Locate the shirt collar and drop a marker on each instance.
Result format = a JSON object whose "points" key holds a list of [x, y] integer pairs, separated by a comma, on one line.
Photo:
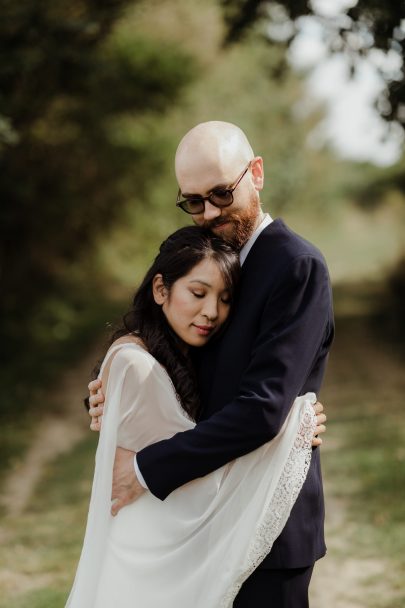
{"points": [[266, 221]]}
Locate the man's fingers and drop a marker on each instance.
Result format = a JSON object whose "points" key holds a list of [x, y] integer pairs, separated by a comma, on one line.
{"points": [[95, 400], [125, 485], [95, 425], [321, 428], [116, 506], [94, 385], [94, 412], [118, 503], [317, 441]]}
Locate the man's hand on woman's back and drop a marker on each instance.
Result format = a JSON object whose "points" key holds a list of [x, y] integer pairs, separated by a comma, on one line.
{"points": [[96, 402]]}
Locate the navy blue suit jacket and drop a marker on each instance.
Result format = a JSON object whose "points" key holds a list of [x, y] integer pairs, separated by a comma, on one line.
{"points": [[274, 348]]}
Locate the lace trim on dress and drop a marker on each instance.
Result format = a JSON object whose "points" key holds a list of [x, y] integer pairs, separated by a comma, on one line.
{"points": [[279, 508]]}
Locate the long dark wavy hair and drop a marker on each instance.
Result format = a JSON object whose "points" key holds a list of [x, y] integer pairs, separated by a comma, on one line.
{"points": [[178, 254]]}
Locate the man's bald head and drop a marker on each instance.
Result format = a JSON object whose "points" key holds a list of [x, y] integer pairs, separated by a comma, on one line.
{"points": [[211, 148], [215, 157]]}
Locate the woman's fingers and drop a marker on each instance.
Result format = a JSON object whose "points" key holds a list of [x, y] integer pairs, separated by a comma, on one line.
{"points": [[320, 416], [318, 407], [320, 419], [316, 440], [320, 426]]}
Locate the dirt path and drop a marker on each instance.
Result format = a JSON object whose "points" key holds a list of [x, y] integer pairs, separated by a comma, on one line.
{"points": [[360, 365], [342, 579], [54, 435]]}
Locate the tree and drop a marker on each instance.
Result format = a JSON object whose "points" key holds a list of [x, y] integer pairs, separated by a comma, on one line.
{"points": [[67, 79], [367, 25]]}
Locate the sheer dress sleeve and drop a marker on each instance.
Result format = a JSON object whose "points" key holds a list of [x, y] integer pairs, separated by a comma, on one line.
{"points": [[148, 409]]}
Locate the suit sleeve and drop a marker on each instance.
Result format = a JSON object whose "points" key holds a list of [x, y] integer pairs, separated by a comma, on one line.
{"points": [[292, 328]]}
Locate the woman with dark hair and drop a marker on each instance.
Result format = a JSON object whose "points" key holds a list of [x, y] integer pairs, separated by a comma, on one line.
{"points": [[150, 319], [168, 553]]}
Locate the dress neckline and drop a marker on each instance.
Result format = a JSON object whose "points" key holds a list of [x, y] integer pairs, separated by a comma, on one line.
{"points": [[112, 349]]}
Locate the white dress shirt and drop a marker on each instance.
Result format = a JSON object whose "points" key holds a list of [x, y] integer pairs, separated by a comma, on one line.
{"points": [[266, 221]]}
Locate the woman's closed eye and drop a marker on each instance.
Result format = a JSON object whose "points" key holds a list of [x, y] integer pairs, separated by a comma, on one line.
{"points": [[201, 294]]}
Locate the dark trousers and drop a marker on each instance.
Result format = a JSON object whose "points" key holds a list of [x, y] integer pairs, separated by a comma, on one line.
{"points": [[275, 589]]}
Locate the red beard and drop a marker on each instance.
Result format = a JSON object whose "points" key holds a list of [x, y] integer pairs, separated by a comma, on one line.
{"points": [[242, 224]]}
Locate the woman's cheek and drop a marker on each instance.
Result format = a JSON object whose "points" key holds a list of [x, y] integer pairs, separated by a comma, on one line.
{"points": [[224, 312]]}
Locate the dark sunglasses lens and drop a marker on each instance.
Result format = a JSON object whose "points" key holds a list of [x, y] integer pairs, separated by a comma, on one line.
{"points": [[191, 205], [221, 198]]}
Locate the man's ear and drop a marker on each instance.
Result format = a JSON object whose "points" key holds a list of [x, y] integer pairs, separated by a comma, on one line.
{"points": [[159, 290], [257, 172]]}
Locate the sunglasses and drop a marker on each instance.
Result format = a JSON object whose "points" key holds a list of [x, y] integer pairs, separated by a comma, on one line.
{"points": [[219, 197]]}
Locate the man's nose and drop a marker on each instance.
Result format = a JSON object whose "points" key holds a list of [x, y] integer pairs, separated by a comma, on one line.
{"points": [[210, 211]]}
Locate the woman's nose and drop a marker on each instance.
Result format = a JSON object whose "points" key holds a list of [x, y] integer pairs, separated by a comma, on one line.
{"points": [[210, 309]]}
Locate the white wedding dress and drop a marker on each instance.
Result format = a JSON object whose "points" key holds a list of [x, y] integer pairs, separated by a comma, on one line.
{"points": [[195, 548]]}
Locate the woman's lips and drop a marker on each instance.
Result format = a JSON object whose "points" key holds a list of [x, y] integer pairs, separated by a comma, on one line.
{"points": [[204, 330]]}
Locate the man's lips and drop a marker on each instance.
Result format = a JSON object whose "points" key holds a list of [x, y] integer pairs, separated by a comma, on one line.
{"points": [[204, 330], [220, 226], [217, 223]]}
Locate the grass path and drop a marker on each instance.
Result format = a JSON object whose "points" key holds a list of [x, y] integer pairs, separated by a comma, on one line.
{"points": [[342, 579], [364, 474], [36, 519], [45, 498], [53, 436]]}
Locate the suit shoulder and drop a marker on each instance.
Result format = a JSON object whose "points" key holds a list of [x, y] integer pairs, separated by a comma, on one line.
{"points": [[285, 245]]}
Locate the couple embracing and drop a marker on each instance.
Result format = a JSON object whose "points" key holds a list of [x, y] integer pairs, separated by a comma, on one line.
{"points": [[209, 430]]}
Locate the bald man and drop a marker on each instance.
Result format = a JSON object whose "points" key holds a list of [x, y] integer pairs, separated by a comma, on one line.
{"points": [[274, 349]]}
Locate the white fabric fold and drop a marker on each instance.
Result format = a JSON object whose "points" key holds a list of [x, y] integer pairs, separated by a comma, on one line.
{"points": [[198, 546]]}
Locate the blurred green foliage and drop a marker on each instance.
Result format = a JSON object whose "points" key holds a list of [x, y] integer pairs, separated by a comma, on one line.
{"points": [[41, 546], [94, 98], [368, 25], [363, 454], [66, 77]]}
